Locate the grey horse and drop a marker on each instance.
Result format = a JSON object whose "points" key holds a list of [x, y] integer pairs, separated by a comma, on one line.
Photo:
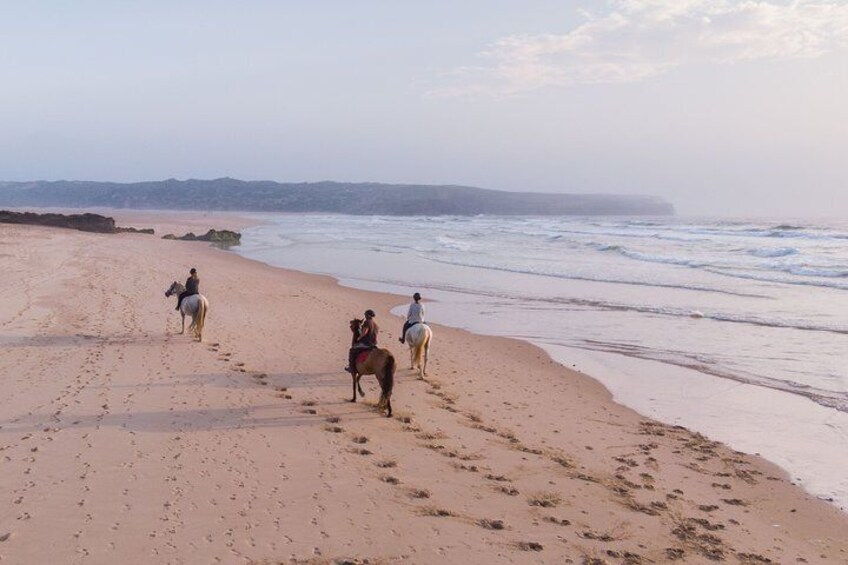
{"points": [[195, 306], [419, 337]]}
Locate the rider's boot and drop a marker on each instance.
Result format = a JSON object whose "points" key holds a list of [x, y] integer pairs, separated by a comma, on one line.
{"points": [[350, 362]]}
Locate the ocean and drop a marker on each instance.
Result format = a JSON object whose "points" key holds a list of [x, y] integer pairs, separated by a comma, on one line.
{"points": [[734, 328]]}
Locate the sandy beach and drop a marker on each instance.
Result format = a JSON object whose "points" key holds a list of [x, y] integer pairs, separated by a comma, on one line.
{"points": [[125, 442]]}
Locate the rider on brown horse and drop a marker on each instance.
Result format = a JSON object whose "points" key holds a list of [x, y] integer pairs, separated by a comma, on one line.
{"points": [[365, 340]]}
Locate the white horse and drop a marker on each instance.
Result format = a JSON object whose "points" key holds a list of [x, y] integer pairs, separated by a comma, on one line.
{"points": [[418, 337], [195, 305]]}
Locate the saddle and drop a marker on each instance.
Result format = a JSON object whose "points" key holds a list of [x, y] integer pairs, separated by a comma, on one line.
{"points": [[363, 355]]}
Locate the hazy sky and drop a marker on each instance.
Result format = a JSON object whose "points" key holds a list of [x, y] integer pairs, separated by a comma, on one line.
{"points": [[721, 106]]}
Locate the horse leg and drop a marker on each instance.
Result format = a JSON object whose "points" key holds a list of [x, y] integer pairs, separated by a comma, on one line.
{"points": [[359, 386], [182, 331], [411, 355], [426, 356], [388, 407], [354, 379]]}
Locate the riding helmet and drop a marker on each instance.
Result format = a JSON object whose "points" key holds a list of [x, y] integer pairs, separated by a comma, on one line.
{"points": [[192, 271], [416, 296], [369, 313]]}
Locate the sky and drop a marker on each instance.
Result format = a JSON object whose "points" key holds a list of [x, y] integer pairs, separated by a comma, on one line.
{"points": [[722, 107]]}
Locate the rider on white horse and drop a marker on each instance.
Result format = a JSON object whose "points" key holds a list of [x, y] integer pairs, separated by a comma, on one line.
{"points": [[192, 287], [415, 315]]}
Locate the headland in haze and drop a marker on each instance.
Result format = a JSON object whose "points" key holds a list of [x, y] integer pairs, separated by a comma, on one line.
{"points": [[227, 194]]}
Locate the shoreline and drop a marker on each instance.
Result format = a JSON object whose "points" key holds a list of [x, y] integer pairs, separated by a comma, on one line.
{"points": [[740, 414], [242, 220], [608, 476]]}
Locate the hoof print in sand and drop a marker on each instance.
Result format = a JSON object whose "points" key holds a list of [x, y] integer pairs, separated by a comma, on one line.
{"points": [[529, 546], [589, 534], [436, 512], [674, 554], [544, 499], [386, 464]]}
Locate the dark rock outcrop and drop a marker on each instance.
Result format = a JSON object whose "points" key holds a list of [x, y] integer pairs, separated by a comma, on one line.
{"points": [[148, 231], [82, 222], [219, 237], [329, 197]]}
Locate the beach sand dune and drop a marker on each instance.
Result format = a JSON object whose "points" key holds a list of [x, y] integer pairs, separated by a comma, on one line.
{"points": [[125, 442]]}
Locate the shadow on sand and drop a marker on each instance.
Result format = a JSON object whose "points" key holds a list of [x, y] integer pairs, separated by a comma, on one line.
{"points": [[188, 421], [86, 340]]}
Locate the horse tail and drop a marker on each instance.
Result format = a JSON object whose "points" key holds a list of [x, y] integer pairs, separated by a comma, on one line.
{"points": [[202, 306], [420, 346], [425, 347], [420, 351], [388, 377]]}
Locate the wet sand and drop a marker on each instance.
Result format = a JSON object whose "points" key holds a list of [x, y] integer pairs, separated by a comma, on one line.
{"points": [[123, 441]]}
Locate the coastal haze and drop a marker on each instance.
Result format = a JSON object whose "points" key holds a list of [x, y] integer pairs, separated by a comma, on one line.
{"points": [[719, 107]]}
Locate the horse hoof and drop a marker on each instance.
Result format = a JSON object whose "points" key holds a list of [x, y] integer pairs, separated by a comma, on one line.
{"points": [[352, 400]]}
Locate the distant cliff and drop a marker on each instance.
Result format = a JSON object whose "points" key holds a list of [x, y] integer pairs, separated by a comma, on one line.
{"points": [[332, 197]]}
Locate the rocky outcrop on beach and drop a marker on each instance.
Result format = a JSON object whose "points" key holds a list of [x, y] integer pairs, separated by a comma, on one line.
{"points": [[82, 222], [148, 231], [328, 197], [219, 237]]}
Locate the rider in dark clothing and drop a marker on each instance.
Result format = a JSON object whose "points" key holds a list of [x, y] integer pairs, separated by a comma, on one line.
{"points": [[192, 287], [367, 340]]}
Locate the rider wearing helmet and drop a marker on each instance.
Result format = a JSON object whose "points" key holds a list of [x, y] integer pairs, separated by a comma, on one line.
{"points": [[367, 339], [192, 286], [415, 315]]}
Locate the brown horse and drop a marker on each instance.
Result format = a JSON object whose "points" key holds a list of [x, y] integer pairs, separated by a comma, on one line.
{"points": [[377, 362]]}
